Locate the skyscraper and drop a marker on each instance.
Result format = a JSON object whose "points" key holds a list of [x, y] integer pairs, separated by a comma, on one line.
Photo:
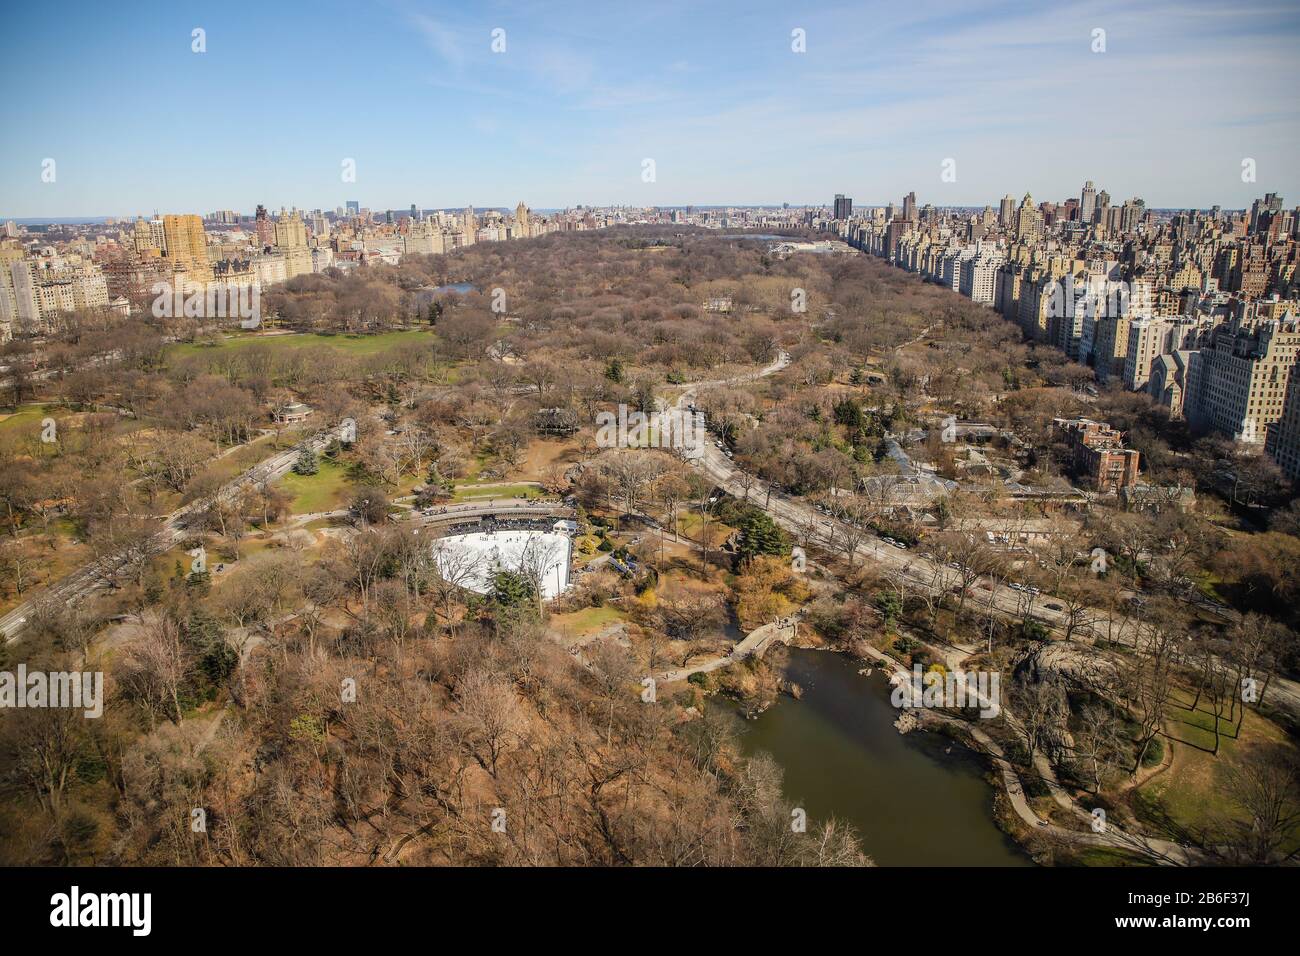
{"points": [[843, 206], [1087, 202], [909, 207], [1131, 214], [1028, 219], [1006, 210]]}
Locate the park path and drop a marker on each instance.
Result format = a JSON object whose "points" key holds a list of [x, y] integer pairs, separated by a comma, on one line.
{"points": [[1112, 836], [756, 642]]}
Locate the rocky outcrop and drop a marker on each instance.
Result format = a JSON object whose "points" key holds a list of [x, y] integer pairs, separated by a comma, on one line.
{"points": [[1078, 665], [907, 722]]}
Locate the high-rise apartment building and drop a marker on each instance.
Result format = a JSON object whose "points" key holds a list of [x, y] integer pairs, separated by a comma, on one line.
{"points": [[291, 241], [148, 239], [1006, 211], [424, 238], [263, 227], [979, 273], [1131, 214], [1245, 376], [1284, 445], [290, 231], [909, 207], [34, 292], [187, 246]]}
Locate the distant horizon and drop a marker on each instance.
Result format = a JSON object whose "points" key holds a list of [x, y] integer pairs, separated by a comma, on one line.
{"points": [[547, 210]]}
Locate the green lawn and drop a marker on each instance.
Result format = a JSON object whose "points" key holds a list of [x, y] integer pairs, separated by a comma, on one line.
{"points": [[1192, 793], [327, 490], [29, 416], [232, 464], [523, 489], [1107, 856], [355, 344], [587, 620]]}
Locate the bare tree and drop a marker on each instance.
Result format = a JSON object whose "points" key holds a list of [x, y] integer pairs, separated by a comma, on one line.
{"points": [[493, 716], [1261, 784], [1147, 679], [43, 746], [1099, 744], [455, 568], [154, 669], [1041, 706]]}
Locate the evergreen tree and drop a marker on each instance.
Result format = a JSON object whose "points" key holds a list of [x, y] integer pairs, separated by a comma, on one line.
{"points": [[511, 589], [306, 463], [849, 412], [760, 535]]}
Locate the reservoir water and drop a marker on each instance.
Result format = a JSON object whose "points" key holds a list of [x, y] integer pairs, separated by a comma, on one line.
{"points": [[918, 799]]}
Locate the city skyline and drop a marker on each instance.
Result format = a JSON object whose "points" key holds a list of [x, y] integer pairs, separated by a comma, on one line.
{"points": [[575, 101], [398, 212]]}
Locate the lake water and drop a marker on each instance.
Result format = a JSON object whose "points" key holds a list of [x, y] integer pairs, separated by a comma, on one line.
{"points": [[458, 287], [918, 799]]}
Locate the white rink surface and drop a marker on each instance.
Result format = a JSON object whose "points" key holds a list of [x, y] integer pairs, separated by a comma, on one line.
{"points": [[519, 551]]}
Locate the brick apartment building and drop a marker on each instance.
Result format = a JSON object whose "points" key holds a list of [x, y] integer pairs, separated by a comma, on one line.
{"points": [[1098, 451]]}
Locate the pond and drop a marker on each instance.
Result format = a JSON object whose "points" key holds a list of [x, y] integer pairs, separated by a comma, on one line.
{"points": [[918, 799]]}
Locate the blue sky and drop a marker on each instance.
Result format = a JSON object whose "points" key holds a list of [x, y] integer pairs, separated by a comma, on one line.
{"points": [[583, 93]]}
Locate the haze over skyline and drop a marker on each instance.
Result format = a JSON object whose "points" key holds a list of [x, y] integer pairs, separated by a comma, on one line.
{"points": [[413, 92]]}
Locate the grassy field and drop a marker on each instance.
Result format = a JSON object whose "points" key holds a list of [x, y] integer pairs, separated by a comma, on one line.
{"points": [[29, 416], [355, 344], [587, 620], [52, 563], [1107, 856], [228, 466], [1191, 793], [475, 492], [327, 490]]}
